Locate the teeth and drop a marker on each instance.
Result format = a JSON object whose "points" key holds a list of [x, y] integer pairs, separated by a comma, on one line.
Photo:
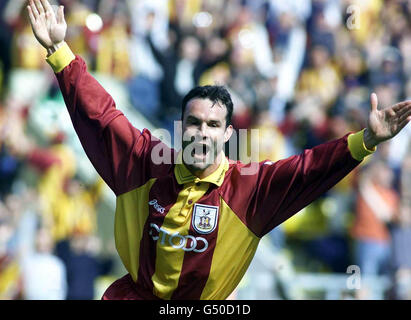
{"points": [[200, 150]]}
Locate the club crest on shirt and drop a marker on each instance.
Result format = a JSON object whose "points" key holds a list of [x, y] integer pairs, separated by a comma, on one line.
{"points": [[204, 218]]}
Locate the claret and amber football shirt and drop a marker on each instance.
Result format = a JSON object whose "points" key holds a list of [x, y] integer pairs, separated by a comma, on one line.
{"points": [[181, 237]]}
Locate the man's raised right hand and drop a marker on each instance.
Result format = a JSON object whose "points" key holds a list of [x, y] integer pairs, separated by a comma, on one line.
{"points": [[48, 27]]}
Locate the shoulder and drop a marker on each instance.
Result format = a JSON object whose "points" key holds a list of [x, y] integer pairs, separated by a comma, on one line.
{"points": [[239, 182]]}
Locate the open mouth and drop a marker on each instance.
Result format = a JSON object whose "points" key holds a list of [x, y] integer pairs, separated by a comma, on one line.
{"points": [[200, 151]]}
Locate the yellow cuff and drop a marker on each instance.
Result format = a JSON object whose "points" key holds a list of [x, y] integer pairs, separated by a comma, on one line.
{"points": [[61, 58], [357, 147]]}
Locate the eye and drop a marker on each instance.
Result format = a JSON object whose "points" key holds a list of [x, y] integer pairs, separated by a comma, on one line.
{"points": [[213, 124], [192, 121]]}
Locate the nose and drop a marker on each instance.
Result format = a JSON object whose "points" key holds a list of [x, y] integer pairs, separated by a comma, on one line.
{"points": [[203, 130]]}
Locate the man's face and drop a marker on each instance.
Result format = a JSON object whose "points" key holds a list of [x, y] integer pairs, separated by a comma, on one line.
{"points": [[204, 134]]}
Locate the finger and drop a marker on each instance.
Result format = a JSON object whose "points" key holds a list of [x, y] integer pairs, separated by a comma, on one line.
{"points": [[50, 13], [39, 6], [405, 116], [60, 15], [405, 109], [400, 105], [34, 9], [31, 15], [47, 6], [404, 123], [374, 101]]}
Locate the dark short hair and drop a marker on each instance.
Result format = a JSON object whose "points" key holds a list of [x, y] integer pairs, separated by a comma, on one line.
{"points": [[215, 94]]}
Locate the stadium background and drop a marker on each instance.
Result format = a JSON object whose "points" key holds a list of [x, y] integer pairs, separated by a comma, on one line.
{"points": [[299, 71]]}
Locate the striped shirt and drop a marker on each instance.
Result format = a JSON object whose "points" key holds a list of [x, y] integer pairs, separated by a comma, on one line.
{"points": [[178, 236]]}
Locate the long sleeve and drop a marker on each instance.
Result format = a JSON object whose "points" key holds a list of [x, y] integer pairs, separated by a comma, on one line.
{"points": [[119, 152], [285, 187]]}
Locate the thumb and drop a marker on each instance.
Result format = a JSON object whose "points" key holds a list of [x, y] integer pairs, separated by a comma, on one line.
{"points": [[374, 101], [60, 15]]}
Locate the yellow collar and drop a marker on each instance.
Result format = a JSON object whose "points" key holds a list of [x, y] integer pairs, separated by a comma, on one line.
{"points": [[183, 175]]}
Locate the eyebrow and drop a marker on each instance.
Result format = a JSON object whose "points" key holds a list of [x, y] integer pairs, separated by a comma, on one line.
{"points": [[215, 121], [191, 117]]}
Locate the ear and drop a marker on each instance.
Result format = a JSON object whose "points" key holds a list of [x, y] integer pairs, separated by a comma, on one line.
{"points": [[228, 132]]}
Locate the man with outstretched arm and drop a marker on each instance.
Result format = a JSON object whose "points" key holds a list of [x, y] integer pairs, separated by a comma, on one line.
{"points": [[188, 229]]}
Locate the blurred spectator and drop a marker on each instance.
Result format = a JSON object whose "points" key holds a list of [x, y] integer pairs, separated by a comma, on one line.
{"points": [[321, 80], [5, 45], [44, 274], [112, 55], [76, 13], [10, 270], [402, 236], [376, 208], [389, 72], [56, 166], [80, 253]]}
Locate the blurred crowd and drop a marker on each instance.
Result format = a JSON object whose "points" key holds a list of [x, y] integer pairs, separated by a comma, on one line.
{"points": [[299, 71]]}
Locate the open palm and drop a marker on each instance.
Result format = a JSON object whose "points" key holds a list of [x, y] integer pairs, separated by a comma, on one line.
{"points": [[386, 123], [48, 28]]}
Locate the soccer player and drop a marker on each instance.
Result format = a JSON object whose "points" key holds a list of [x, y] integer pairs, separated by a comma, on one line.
{"points": [[189, 229]]}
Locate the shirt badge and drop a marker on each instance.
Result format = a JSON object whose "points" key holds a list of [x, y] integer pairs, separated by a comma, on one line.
{"points": [[204, 218]]}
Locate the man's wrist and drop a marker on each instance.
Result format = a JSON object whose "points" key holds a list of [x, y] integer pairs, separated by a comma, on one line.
{"points": [[370, 142], [60, 58], [54, 48], [357, 146]]}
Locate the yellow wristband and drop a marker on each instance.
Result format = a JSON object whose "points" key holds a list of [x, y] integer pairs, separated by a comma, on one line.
{"points": [[357, 147], [61, 58]]}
